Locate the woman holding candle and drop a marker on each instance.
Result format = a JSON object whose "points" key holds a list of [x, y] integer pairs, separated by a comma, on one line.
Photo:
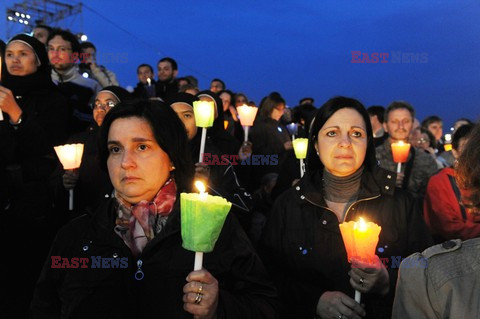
{"points": [[91, 184], [34, 120], [302, 238], [225, 142], [135, 264], [219, 172]]}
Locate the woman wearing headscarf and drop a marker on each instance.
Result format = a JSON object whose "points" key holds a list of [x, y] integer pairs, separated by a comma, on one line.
{"points": [[144, 271], [302, 238], [218, 171], [91, 184], [35, 118], [225, 142]]}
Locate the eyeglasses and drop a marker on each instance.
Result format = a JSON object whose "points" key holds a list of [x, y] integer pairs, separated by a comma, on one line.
{"points": [[422, 140], [99, 105], [59, 49]]}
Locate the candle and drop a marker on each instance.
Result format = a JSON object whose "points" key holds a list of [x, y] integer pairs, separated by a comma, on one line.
{"points": [[202, 219], [448, 142], [360, 240], [300, 146], [70, 156], [246, 114], [204, 112], [149, 82], [292, 129], [400, 151], [225, 125]]}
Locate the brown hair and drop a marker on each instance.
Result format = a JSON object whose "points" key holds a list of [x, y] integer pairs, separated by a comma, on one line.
{"points": [[468, 169]]}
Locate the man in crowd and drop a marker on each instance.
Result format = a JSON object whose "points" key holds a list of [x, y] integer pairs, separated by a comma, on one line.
{"points": [[145, 88], [63, 51], [376, 113], [217, 85], [167, 85], [415, 173], [435, 125], [88, 65], [41, 33]]}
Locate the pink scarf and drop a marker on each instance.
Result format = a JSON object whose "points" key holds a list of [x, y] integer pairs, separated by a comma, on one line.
{"points": [[139, 224]]}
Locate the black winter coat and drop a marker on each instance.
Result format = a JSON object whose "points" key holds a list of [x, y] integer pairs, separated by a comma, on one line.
{"points": [[244, 288], [305, 250]]}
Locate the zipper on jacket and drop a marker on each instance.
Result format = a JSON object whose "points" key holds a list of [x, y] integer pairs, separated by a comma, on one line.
{"points": [[139, 273], [358, 201]]}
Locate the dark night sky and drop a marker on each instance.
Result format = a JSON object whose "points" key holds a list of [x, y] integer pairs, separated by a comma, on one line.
{"points": [[300, 48]]}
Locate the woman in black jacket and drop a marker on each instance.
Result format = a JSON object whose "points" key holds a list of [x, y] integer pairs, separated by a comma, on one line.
{"points": [[35, 119], [302, 239], [127, 260], [90, 182]]}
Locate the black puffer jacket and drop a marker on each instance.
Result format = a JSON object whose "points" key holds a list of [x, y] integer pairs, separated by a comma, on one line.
{"points": [[244, 288], [305, 251]]}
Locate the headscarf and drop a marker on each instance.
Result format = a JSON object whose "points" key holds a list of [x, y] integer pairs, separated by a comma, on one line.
{"points": [[39, 80], [220, 138], [120, 93]]}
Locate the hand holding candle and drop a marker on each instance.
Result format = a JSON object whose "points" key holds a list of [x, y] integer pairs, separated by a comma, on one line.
{"points": [[360, 239], [448, 142], [204, 112], [70, 156], [246, 115], [202, 218], [300, 147], [400, 151]]}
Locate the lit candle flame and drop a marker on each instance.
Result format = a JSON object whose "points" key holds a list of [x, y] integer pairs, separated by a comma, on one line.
{"points": [[361, 225], [199, 185], [401, 143], [149, 81]]}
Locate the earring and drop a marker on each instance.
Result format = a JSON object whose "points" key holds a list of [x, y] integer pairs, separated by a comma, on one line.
{"points": [[172, 168], [318, 153]]}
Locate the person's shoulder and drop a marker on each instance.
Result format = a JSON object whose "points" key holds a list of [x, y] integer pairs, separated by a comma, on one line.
{"points": [[449, 260]]}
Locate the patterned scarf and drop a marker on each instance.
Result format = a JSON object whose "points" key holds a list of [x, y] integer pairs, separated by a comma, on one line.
{"points": [[140, 223]]}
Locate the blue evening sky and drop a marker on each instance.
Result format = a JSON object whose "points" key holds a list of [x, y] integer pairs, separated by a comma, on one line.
{"points": [[300, 48]]}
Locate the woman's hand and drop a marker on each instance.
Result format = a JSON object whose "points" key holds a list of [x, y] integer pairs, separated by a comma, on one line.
{"points": [[336, 304], [202, 171], [369, 278], [9, 105], [201, 295], [288, 145], [399, 180], [245, 151], [70, 179]]}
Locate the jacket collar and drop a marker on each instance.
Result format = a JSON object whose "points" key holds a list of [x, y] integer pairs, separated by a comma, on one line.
{"points": [[373, 184]]}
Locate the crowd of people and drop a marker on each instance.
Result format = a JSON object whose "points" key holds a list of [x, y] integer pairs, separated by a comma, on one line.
{"points": [[280, 253]]}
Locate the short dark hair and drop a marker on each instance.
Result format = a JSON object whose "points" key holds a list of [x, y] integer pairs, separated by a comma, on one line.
{"points": [[324, 113], [43, 26], [218, 80], [429, 120], [172, 62], [144, 65], [378, 111], [398, 105], [86, 45], [167, 129], [460, 133], [67, 36]]}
